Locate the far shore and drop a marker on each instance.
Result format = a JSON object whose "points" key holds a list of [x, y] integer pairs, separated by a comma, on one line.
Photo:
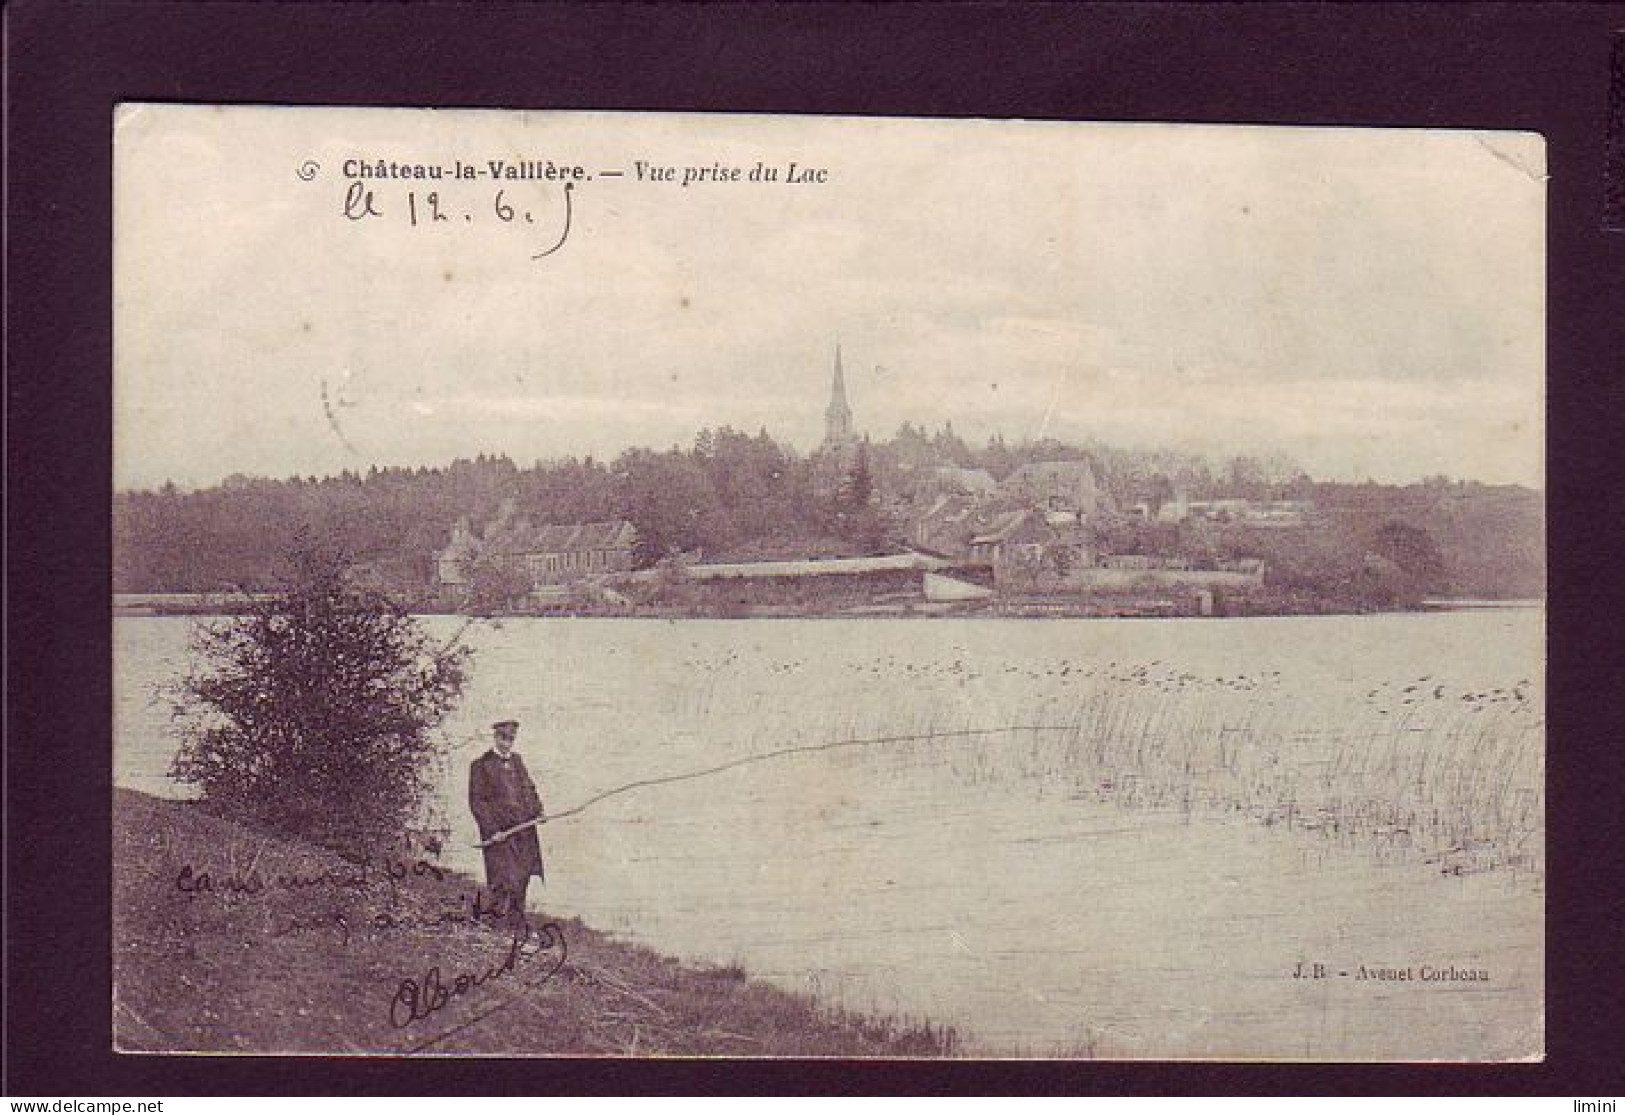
{"points": [[202, 606]]}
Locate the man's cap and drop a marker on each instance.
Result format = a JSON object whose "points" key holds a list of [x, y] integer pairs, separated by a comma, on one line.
{"points": [[504, 724]]}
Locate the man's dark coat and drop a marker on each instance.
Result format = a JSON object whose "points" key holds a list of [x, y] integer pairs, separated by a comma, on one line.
{"points": [[501, 795]]}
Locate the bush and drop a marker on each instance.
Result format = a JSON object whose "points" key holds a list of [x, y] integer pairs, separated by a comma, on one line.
{"points": [[494, 587], [313, 712]]}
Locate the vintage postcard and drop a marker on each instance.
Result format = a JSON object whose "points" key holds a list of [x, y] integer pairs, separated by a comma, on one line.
{"points": [[640, 585]]}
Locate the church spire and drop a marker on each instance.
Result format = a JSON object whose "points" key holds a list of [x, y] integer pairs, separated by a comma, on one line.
{"points": [[837, 416]]}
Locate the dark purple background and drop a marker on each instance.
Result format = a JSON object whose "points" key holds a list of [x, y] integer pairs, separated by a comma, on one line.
{"points": [[1543, 68]]}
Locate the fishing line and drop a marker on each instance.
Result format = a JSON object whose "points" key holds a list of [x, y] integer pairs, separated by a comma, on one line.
{"points": [[687, 776], [804, 749]]}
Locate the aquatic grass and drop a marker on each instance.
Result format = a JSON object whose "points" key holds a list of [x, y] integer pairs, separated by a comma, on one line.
{"points": [[1456, 780], [1404, 768], [1462, 784]]}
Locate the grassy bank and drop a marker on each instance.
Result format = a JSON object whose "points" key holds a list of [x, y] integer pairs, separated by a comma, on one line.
{"points": [[231, 939]]}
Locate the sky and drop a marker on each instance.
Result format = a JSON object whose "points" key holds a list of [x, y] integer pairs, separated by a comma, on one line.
{"points": [[1367, 302]]}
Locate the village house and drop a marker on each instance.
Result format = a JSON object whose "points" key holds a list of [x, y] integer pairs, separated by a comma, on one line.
{"points": [[452, 565], [545, 555], [946, 527], [961, 527], [1254, 513], [559, 553], [1279, 513], [1143, 561], [1057, 486], [1028, 550], [1008, 534]]}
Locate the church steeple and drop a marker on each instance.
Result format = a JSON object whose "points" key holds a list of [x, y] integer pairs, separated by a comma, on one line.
{"points": [[837, 416]]}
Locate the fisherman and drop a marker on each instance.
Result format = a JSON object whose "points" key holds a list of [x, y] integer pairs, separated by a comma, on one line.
{"points": [[507, 809]]}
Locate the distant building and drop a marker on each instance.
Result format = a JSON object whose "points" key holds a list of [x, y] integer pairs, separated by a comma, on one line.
{"points": [[1175, 510], [1057, 486], [558, 554], [1258, 513], [452, 565], [947, 526], [1218, 510], [1070, 550], [1143, 561], [964, 529], [1279, 513], [839, 453], [1008, 531], [545, 555], [838, 435], [1026, 549]]}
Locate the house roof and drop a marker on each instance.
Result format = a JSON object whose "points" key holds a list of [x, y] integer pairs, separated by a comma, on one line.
{"points": [[462, 545], [1003, 526], [524, 538], [947, 509]]}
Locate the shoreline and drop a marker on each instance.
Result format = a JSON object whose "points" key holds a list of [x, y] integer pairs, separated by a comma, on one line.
{"points": [[229, 939], [1429, 607]]}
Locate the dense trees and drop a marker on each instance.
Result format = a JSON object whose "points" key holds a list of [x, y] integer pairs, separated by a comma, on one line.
{"points": [[732, 492], [1414, 551]]}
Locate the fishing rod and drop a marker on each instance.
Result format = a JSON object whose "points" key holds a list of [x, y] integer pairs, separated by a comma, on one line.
{"points": [[803, 749], [643, 783]]}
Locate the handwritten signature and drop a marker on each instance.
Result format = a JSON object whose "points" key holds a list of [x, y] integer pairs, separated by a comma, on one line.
{"points": [[416, 1000]]}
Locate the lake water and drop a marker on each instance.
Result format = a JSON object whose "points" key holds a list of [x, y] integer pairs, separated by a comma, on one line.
{"points": [[1124, 838]]}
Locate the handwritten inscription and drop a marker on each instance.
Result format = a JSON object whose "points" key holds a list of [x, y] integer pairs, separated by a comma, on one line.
{"points": [[529, 192], [418, 999], [362, 202], [427, 209], [476, 908], [316, 908], [361, 874]]}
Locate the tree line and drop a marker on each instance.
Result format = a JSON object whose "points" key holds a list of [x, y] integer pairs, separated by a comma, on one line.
{"points": [[728, 492], [733, 495]]}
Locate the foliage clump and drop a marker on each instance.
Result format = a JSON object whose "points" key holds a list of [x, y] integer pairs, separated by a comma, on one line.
{"points": [[314, 711]]}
